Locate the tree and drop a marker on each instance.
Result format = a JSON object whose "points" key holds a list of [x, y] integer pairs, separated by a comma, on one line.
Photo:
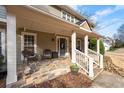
{"points": [[119, 37], [93, 45], [121, 33]]}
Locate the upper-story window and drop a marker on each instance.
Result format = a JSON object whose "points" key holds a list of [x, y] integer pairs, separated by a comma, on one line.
{"points": [[72, 19], [68, 17], [64, 15]]}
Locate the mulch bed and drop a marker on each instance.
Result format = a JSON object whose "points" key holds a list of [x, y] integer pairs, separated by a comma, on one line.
{"points": [[66, 81]]}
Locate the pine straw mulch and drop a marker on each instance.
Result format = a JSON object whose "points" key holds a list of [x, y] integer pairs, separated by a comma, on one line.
{"points": [[111, 67], [68, 80]]}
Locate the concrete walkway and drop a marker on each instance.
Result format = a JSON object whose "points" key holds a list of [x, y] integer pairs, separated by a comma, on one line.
{"points": [[108, 80]]}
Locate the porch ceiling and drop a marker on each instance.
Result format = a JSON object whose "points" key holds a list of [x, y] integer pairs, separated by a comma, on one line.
{"points": [[34, 20]]}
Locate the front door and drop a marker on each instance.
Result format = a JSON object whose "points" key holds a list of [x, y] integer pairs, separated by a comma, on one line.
{"points": [[62, 46]]}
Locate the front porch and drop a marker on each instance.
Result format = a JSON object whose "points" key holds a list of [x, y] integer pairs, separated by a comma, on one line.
{"points": [[36, 31]]}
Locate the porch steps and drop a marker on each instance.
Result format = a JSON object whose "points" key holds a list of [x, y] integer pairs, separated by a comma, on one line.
{"points": [[97, 72]]}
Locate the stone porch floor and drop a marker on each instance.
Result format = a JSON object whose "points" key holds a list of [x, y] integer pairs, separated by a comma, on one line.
{"points": [[46, 70]]}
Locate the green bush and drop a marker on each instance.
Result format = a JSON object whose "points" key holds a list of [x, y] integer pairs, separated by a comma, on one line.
{"points": [[102, 48], [93, 45]]}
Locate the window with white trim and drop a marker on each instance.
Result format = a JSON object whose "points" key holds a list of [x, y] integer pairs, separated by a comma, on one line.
{"points": [[78, 44], [72, 19], [64, 15], [68, 17], [29, 42]]}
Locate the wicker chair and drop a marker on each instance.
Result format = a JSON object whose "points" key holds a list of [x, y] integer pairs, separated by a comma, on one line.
{"points": [[29, 56], [47, 54]]}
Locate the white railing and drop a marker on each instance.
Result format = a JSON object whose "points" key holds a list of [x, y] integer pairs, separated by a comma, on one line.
{"points": [[98, 58], [95, 56], [85, 62]]}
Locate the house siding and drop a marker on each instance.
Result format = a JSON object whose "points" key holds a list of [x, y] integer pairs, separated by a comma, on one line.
{"points": [[50, 9]]}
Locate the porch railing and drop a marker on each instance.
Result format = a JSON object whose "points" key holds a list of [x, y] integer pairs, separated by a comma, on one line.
{"points": [[95, 56], [85, 62], [88, 62]]}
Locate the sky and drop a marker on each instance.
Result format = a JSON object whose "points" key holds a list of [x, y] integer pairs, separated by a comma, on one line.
{"points": [[108, 17]]}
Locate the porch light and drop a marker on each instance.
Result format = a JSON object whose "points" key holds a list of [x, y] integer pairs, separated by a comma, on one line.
{"points": [[52, 39]]}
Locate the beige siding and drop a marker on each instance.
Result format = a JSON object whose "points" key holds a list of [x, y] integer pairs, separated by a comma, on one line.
{"points": [[49, 9]]}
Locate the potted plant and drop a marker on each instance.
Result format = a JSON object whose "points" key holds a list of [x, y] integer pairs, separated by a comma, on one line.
{"points": [[74, 68]]}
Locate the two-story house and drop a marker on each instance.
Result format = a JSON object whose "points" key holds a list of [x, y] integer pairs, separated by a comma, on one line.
{"points": [[58, 28]]}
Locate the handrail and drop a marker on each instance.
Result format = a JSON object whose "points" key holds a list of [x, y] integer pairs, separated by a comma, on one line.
{"points": [[93, 51], [89, 63], [82, 60], [83, 53], [96, 56]]}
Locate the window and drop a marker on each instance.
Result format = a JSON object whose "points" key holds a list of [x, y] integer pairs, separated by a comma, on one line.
{"points": [[64, 15], [29, 42], [68, 17], [78, 44], [72, 19]]}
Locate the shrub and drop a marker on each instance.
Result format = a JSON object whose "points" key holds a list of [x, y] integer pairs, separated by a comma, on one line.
{"points": [[102, 48], [92, 44]]}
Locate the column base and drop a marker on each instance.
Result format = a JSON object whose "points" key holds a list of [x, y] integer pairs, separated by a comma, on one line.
{"points": [[10, 80]]}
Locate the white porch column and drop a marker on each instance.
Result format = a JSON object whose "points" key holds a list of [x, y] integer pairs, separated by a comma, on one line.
{"points": [[73, 45], [86, 45], [11, 49], [98, 46]]}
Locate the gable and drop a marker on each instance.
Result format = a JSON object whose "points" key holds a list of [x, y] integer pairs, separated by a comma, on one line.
{"points": [[85, 25]]}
